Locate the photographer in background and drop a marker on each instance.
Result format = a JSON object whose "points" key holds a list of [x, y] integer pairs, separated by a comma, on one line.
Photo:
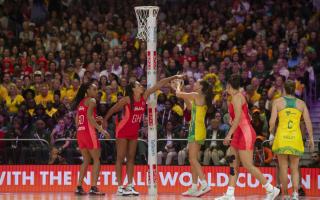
{"points": [[37, 151]]}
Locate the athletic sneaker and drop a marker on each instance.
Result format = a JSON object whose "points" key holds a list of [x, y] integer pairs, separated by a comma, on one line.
{"points": [[130, 191], [286, 197], [121, 191], [225, 197], [301, 192], [203, 191], [295, 196], [191, 192], [272, 195], [95, 191], [80, 191]]}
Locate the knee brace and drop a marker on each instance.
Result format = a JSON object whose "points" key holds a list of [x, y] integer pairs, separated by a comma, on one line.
{"points": [[232, 173], [230, 160]]}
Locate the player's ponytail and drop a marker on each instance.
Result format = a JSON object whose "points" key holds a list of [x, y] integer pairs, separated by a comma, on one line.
{"points": [[80, 94], [129, 92], [207, 90]]}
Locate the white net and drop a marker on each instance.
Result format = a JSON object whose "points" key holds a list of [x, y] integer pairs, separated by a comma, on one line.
{"points": [[145, 14]]}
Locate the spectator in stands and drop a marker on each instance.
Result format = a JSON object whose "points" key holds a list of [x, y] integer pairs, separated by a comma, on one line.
{"points": [[211, 41], [3, 131], [69, 149], [315, 160], [55, 157], [214, 150], [168, 151], [260, 126], [181, 146], [60, 131], [13, 100], [277, 90], [263, 155], [166, 114], [142, 150], [15, 148], [252, 96], [38, 149], [44, 96]]}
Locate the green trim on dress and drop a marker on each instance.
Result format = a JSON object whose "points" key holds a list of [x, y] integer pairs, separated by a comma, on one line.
{"points": [[287, 150]]}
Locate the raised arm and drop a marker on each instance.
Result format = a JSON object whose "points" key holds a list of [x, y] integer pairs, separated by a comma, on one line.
{"points": [[271, 92], [116, 108], [160, 84], [188, 104], [77, 120], [91, 119], [188, 97], [308, 123]]}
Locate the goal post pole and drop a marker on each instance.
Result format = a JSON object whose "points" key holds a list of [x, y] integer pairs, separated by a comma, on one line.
{"points": [[152, 103]]}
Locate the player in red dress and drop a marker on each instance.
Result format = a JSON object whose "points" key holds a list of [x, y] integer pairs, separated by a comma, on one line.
{"points": [[86, 122], [242, 143], [134, 105]]}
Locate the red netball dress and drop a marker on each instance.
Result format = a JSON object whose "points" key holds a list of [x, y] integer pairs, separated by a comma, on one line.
{"points": [[130, 124], [86, 133], [244, 136]]}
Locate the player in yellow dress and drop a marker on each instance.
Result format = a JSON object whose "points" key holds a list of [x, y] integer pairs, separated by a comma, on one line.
{"points": [[198, 102], [288, 143], [197, 129]]}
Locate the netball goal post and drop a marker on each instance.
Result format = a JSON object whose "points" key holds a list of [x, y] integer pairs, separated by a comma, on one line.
{"points": [[147, 31]]}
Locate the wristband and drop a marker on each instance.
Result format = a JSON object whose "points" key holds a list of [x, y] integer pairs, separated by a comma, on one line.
{"points": [[271, 137]]}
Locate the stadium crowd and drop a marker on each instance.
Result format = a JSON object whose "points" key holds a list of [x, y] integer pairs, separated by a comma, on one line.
{"points": [[48, 48]]}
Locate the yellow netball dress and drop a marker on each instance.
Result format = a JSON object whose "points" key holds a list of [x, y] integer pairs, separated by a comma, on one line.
{"points": [[288, 139], [197, 129]]}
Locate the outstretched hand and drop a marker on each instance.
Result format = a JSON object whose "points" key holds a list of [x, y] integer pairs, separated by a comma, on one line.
{"points": [[311, 145], [178, 83], [99, 120], [227, 140], [106, 134], [180, 76]]}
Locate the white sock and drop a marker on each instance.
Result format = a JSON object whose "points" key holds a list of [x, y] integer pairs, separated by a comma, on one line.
{"points": [[130, 185], [230, 191], [203, 183], [194, 186], [268, 187]]}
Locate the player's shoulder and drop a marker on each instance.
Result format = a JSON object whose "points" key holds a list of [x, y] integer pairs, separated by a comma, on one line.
{"points": [[279, 100], [92, 100], [238, 98], [125, 99], [301, 104], [196, 95], [300, 101]]}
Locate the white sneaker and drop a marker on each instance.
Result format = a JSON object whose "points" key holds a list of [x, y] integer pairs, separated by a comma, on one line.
{"points": [[190, 192], [286, 197], [272, 195], [121, 191], [131, 191], [203, 191], [225, 197], [295, 196]]}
